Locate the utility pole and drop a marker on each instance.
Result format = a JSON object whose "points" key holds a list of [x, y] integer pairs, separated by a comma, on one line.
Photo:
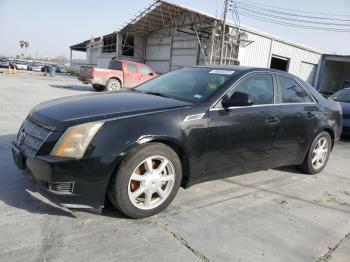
{"points": [[223, 32]]}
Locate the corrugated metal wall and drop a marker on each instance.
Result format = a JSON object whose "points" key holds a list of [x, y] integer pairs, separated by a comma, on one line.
{"points": [[163, 52], [158, 53], [184, 52], [258, 54], [296, 56], [92, 55]]}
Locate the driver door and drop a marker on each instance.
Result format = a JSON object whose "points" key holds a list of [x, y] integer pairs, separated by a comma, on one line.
{"points": [[242, 139]]}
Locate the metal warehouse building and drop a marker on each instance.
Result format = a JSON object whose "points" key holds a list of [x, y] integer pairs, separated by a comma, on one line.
{"points": [[167, 36]]}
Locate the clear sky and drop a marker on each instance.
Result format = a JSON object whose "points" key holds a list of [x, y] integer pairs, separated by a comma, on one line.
{"points": [[51, 27]]}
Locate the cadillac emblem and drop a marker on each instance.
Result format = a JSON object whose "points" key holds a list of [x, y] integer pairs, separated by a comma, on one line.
{"points": [[21, 137]]}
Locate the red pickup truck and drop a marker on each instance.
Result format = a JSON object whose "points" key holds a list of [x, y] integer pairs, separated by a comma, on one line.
{"points": [[120, 73]]}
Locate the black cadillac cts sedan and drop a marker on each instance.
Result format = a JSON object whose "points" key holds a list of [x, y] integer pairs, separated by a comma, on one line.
{"points": [[137, 147]]}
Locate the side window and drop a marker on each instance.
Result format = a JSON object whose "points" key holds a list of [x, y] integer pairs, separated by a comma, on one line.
{"points": [[115, 65], [145, 70], [292, 92], [259, 87], [131, 68]]}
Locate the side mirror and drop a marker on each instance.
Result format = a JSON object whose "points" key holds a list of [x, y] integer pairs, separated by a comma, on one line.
{"points": [[237, 99]]}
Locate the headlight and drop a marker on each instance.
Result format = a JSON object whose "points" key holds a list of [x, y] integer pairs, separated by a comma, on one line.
{"points": [[75, 140]]}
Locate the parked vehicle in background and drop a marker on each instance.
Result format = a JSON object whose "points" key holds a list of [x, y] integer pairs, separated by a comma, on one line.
{"points": [[343, 97], [47, 68], [34, 67], [60, 68], [20, 65], [120, 74], [192, 125], [4, 63]]}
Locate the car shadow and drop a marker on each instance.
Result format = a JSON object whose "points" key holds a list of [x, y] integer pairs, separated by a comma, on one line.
{"points": [[75, 87], [290, 169], [16, 190], [345, 138]]}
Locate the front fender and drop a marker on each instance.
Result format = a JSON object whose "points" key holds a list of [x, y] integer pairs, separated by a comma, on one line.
{"points": [[187, 138]]}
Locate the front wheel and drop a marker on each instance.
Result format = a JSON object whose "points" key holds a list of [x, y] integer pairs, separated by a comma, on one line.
{"points": [[146, 181], [318, 154]]}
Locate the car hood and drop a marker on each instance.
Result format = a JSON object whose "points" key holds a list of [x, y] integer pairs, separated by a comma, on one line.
{"points": [[62, 113]]}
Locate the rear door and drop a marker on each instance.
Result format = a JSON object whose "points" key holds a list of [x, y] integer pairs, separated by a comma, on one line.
{"points": [[242, 139], [131, 74], [146, 73], [299, 119]]}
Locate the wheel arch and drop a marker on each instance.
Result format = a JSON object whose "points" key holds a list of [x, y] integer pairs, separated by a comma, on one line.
{"points": [[168, 141], [331, 132]]}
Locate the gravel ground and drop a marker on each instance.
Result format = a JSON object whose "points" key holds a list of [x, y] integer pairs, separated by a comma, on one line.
{"points": [[273, 215]]}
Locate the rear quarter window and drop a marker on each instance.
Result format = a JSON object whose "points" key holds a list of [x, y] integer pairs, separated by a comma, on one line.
{"points": [[145, 70], [292, 92], [115, 65]]}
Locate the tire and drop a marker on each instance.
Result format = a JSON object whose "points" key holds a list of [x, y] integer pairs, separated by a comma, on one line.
{"points": [[122, 187], [309, 166], [99, 88], [113, 85]]}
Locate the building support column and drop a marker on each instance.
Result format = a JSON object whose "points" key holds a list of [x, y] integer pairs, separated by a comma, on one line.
{"points": [[270, 53], [171, 51], [70, 59]]}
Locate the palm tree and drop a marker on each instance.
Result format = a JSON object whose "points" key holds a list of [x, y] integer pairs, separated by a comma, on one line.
{"points": [[23, 44]]}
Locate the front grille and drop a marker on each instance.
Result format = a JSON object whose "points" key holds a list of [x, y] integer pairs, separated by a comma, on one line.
{"points": [[31, 137], [61, 187]]}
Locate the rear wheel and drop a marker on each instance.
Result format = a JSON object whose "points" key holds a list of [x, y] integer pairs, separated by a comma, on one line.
{"points": [[113, 85], [98, 88], [146, 181], [318, 154]]}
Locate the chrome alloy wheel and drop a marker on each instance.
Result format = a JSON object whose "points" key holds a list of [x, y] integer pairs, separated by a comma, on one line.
{"points": [[151, 182], [114, 86], [320, 153]]}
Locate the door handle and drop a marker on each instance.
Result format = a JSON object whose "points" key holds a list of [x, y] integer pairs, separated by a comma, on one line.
{"points": [[272, 121]]}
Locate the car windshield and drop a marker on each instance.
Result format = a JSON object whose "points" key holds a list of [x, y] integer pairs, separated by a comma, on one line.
{"points": [[342, 96], [191, 84]]}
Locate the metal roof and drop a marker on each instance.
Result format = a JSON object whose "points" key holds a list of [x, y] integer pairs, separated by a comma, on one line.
{"points": [[83, 45], [162, 14]]}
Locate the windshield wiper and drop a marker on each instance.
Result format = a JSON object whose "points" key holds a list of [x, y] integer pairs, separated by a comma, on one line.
{"points": [[157, 94]]}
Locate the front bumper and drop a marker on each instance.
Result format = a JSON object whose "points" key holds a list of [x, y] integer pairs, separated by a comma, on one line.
{"points": [[72, 183]]}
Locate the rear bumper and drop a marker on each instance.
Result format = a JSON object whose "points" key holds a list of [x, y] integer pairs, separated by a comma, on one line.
{"points": [[85, 80], [69, 183]]}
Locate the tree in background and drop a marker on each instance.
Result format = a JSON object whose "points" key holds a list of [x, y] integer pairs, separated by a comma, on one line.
{"points": [[23, 44]]}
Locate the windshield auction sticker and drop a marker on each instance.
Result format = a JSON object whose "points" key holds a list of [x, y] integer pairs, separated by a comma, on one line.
{"points": [[222, 72]]}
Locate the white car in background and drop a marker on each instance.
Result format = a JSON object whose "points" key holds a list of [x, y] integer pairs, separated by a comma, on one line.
{"points": [[20, 65]]}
